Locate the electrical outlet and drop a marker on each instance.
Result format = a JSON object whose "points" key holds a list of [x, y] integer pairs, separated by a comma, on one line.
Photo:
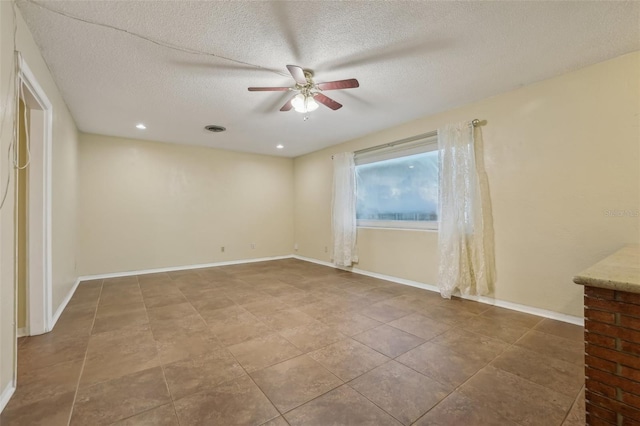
{"points": [[222, 249], [253, 245]]}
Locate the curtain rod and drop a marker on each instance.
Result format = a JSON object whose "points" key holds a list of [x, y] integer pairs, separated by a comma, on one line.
{"points": [[474, 123]]}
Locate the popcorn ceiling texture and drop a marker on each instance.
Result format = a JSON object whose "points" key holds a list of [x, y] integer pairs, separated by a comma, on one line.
{"points": [[412, 59]]}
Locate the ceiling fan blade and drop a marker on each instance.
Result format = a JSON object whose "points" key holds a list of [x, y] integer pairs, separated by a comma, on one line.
{"points": [[352, 83], [297, 73], [326, 101], [287, 106], [269, 89]]}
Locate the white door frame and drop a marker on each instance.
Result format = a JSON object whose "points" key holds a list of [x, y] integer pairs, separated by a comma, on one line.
{"points": [[39, 272]]}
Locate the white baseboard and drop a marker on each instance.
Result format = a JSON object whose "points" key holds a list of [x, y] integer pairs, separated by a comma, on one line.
{"points": [[6, 395], [179, 268], [21, 332], [482, 299], [63, 305]]}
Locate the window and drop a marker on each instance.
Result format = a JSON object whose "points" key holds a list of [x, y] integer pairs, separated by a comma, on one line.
{"points": [[397, 186]]}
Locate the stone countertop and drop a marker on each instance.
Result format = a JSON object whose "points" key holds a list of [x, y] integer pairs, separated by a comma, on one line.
{"points": [[620, 271]]}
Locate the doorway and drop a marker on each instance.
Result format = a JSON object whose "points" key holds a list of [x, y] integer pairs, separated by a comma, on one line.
{"points": [[21, 217], [32, 162]]}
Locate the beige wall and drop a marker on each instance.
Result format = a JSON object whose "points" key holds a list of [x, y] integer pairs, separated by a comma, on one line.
{"points": [[63, 185], [147, 205], [558, 154]]}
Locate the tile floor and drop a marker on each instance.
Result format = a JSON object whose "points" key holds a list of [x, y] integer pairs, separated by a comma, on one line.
{"points": [[293, 343]]}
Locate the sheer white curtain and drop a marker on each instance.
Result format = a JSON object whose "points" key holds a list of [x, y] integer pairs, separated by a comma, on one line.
{"points": [[343, 209], [465, 257]]}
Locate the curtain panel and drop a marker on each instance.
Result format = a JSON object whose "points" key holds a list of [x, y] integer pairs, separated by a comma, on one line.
{"points": [[343, 210], [463, 262]]}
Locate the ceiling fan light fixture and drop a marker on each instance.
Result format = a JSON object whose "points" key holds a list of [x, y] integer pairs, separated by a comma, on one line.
{"points": [[304, 103]]}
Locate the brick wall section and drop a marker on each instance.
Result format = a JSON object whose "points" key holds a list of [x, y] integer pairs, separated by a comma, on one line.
{"points": [[612, 359]]}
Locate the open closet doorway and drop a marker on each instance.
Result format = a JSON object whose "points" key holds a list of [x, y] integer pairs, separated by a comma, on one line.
{"points": [[32, 162]]}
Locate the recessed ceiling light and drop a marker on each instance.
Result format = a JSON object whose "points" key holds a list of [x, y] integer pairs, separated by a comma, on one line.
{"points": [[140, 126], [279, 146], [215, 128], [411, 167]]}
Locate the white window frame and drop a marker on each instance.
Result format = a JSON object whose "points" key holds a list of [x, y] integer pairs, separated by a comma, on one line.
{"points": [[411, 146]]}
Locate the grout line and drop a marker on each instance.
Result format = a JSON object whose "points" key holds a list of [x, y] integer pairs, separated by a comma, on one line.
{"points": [[575, 401], [86, 352]]}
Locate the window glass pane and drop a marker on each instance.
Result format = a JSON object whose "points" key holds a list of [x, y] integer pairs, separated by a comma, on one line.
{"points": [[404, 188]]}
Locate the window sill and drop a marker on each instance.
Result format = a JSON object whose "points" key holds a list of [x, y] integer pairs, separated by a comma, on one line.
{"points": [[398, 225]]}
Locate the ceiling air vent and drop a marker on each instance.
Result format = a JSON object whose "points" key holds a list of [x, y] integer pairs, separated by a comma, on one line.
{"points": [[215, 129]]}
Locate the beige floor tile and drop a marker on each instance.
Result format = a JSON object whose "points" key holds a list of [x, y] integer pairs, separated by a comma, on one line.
{"points": [[49, 349], [211, 301], [445, 313], [239, 402], [348, 359], [120, 294], [287, 319], [515, 398], [553, 346], [495, 328], [39, 383], [114, 354], [120, 398], [53, 411], [265, 306], [239, 329], [400, 391], [378, 294], [577, 414], [458, 410], [297, 300], [195, 374], [164, 415], [442, 363], [321, 309], [120, 321], [475, 345], [228, 314], [278, 421], [171, 311], [186, 346], [388, 340], [151, 279], [553, 373], [169, 330], [420, 325], [350, 323], [263, 351], [384, 312], [248, 297], [166, 299], [561, 329], [292, 383], [515, 318], [341, 406], [408, 302], [312, 336]]}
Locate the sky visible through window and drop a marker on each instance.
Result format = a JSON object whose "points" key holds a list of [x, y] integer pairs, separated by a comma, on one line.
{"points": [[404, 188]]}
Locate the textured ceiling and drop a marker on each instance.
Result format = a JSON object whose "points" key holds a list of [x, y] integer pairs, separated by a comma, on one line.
{"points": [[412, 59]]}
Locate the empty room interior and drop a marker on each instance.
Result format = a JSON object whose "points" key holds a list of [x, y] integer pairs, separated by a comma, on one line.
{"points": [[319, 213]]}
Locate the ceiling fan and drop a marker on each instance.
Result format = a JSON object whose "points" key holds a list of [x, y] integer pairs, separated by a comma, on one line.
{"points": [[308, 92]]}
